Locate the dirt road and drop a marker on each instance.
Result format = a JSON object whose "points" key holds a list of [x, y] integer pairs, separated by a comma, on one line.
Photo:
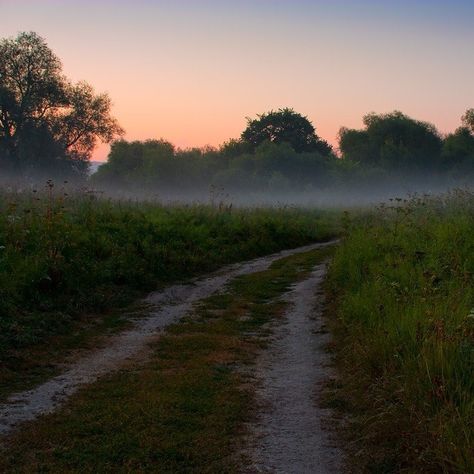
{"points": [[166, 307]]}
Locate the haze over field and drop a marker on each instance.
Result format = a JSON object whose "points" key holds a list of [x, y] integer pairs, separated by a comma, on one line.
{"points": [[191, 71]]}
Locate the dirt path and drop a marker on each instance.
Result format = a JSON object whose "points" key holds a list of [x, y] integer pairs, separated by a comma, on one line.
{"points": [[288, 436], [166, 307]]}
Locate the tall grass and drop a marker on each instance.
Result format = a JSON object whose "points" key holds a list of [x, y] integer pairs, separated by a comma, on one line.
{"points": [[64, 255], [403, 286]]}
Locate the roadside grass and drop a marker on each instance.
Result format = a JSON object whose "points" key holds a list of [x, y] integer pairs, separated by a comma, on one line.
{"points": [[68, 260], [402, 291], [182, 411], [41, 361]]}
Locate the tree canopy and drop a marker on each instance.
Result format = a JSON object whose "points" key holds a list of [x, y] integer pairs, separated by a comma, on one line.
{"points": [[458, 149], [284, 126], [392, 141], [47, 124], [468, 119]]}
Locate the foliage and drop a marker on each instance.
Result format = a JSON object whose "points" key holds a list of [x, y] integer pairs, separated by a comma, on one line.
{"points": [[284, 126], [403, 286], [458, 153], [393, 151], [393, 141], [47, 125], [155, 165], [468, 119]]}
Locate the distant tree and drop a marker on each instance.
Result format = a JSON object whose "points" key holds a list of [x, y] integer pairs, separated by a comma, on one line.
{"points": [[392, 141], [458, 153], [284, 126], [233, 148], [356, 146], [44, 119], [134, 163], [468, 119]]}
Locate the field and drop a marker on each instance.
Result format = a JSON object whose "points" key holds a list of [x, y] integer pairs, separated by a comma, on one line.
{"points": [[400, 299], [403, 298], [68, 259]]}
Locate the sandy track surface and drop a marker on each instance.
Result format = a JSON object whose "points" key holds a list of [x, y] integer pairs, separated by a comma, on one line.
{"points": [[166, 307], [289, 436]]}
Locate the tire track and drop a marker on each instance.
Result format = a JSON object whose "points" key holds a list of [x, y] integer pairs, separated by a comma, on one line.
{"points": [[289, 436]]}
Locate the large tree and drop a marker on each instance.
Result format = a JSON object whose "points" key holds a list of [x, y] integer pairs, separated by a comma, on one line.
{"points": [[46, 122], [284, 126]]}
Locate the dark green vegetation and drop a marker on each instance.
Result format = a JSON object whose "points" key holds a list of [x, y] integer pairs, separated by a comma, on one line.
{"points": [[284, 126], [280, 153], [393, 142], [157, 168], [65, 257], [181, 412], [403, 289], [48, 126], [276, 152]]}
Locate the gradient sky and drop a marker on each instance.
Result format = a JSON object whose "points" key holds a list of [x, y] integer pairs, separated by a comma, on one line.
{"points": [[190, 71]]}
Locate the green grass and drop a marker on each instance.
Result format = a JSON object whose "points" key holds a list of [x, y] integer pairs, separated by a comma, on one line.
{"points": [[402, 285], [66, 260], [181, 412]]}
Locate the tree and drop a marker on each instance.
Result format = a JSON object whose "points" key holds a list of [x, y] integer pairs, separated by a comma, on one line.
{"points": [[284, 126], [85, 120], [44, 119], [356, 146], [458, 153], [233, 148], [393, 141], [468, 119]]}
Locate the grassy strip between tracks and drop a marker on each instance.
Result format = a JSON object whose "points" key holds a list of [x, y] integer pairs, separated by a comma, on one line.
{"points": [[183, 411]]}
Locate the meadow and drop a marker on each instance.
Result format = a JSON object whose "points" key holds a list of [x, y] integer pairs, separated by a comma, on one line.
{"points": [[402, 313], [68, 255], [400, 307]]}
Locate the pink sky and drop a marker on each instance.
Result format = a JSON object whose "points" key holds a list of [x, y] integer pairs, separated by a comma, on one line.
{"points": [[191, 71]]}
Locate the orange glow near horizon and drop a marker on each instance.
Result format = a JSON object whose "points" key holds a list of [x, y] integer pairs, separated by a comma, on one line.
{"points": [[191, 71]]}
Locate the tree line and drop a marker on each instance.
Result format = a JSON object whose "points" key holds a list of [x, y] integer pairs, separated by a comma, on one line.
{"points": [[49, 127], [280, 151]]}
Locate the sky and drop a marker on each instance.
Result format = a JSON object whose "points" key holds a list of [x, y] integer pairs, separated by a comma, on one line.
{"points": [[191, 71]]}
